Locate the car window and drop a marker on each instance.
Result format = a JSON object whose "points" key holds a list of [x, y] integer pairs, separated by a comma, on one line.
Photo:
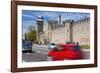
{"points": [[52, 44], [26, 45], [77, 47]]}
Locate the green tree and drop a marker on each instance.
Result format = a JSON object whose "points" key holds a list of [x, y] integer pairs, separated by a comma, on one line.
{"points": [[31, 28], [31, 34]]}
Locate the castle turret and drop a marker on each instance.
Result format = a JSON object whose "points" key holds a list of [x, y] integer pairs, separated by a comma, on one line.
{"points": [[69, 30], [39, 27], [59, 19], [40, 23]]}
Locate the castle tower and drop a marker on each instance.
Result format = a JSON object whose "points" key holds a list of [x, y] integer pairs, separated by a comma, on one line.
{"points": [[59, 20], [39, 27], [69, 30]]}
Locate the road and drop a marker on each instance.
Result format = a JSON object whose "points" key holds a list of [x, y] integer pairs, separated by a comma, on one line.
{"points": [[34, 57], [40, 54]]}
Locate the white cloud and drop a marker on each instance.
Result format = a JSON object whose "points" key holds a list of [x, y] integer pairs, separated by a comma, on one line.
{"points": [[26, 15]]}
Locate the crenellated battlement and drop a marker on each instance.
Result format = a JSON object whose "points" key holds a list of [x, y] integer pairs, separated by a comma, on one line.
{"points": [[56, 25], [82, 21]]}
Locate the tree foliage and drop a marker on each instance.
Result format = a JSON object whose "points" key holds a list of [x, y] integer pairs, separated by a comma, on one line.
{"points": [[31, 35]]}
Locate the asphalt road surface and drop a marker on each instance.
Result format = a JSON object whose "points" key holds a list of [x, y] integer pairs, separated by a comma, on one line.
{"points": [[38, 57], [34, 57], [40, 54]]}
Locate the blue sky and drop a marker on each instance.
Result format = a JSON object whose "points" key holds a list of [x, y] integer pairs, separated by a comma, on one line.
{"points": [[29, 17]]}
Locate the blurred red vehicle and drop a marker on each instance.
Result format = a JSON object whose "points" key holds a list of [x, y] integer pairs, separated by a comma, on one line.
{"points": [[69, 52]]}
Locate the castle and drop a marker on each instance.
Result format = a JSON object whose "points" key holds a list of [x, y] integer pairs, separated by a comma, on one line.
{"points": [[62, 31]]}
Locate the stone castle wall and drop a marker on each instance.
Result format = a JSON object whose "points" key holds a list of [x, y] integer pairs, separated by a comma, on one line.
{"points": [[81, 32], [61, 33]]}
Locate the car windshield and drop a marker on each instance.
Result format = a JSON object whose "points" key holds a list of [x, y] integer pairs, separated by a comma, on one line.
{"points": [[52, 44], [26, 45]]}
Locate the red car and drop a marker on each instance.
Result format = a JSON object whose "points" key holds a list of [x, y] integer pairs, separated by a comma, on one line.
{"points": [[69, 51]]}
